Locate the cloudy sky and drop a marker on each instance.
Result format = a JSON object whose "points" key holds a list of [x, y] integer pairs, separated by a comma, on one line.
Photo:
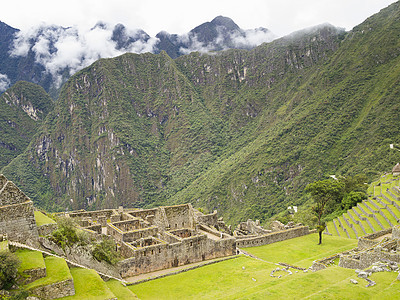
{"points": [[180, 16]]}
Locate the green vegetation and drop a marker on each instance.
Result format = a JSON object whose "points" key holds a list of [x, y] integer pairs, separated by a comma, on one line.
{"points": [[106, 250], [89, 285], [3, 245], [378, 210], [42, 219], [17, 127], [66, 234], [29, 260], [9, 264], [120, 291], [302, 251], [56, 270]]}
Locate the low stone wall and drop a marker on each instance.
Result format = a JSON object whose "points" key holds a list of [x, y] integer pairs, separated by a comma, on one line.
{"points": [[32, 275], [56, 290], [92, 214], [47, 229], [349, 262], [368, 241], [273, 237]]}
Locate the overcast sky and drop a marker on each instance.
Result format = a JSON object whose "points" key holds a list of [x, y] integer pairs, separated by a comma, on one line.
{"points": [[180, 16]]}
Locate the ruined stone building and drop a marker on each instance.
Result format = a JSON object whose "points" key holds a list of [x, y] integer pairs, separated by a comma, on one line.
{"points": [[17, 220], [159, 238]]}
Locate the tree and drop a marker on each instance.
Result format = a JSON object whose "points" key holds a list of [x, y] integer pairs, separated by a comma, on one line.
{"points": [[326, 194], [9, 264]]}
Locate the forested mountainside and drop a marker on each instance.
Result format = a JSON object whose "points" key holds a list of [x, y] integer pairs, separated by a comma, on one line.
{"points": [[239, 131], [22, 109]]}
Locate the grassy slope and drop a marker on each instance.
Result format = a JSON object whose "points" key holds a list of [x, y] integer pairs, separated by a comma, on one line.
{"points": [[42, 219], [56, 271], [120, 291], [89, 285], [30, 259], [247, 278], [302, 251]]}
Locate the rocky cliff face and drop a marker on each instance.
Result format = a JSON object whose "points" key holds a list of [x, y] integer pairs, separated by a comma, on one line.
{"points": [[22, 109]]}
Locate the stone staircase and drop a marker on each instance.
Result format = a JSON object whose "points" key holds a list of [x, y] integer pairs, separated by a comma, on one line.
{"points": [[380, 211]]}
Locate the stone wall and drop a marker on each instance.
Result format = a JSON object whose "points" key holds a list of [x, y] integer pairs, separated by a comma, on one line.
{"points": [[179, 216], [369, 240], [209, 219], [56, 290], [92, 214], [32, 274], [396, 232], [273, 237], [18, 222], [188, 250]]}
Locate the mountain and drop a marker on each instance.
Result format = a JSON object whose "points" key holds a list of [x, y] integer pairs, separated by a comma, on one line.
{"points": [[241, 131], [22, 109], [49, 54], [138, 129], [219, 34]]}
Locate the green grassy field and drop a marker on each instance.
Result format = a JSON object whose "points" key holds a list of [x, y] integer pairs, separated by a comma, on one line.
{"points": [[89, 286], [57, 270], [302, 251], [120, 291], [30, 259], [248, 278], [42, 219]]}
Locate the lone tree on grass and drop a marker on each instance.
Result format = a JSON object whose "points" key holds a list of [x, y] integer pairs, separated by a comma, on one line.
{"points": [[325, 193]]}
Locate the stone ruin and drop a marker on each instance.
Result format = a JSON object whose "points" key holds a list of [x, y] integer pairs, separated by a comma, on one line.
{"points": [[17, 219], [159, 238]]}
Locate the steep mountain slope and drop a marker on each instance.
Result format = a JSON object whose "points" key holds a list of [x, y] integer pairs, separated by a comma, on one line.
{"points": [[22, 109], [136, 129], [339, 119], [241, 131]]}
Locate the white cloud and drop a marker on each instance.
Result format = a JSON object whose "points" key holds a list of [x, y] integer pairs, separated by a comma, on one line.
{"points": [[4, 82], [60, 48]]}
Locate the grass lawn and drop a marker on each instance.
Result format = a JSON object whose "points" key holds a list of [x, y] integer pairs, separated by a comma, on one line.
{"points": [[57, 270], [302, 251], [387, 287], [89, 286], [30, 259], [120, 291], [208, 282], [42, 219]]}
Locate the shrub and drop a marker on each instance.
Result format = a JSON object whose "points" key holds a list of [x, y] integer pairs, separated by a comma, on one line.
{"points": [[66, 234], [9, 264], [106, 251]]}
